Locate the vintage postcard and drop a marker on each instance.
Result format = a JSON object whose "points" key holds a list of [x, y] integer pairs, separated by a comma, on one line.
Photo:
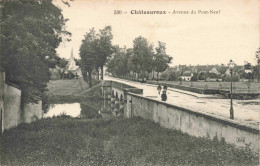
{"points": [[129, 82]]}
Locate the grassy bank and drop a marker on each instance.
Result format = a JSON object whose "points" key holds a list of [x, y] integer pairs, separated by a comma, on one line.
{"points": [[71, 90], [116, 141], [66, 87]]}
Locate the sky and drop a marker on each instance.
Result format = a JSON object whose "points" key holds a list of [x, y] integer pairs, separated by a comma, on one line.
{"points": [[200, 38]]}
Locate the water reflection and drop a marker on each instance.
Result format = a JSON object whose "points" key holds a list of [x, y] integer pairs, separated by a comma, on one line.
{"points": [[72, 109], [87, 109]]}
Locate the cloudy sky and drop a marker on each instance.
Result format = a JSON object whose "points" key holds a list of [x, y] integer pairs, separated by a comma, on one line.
{"points": [[201, 38]]}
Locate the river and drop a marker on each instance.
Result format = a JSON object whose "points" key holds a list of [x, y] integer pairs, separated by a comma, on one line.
{"points": [[87, 109]]}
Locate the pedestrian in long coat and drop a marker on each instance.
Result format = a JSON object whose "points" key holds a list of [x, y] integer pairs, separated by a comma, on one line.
{"points": [[164, 96], [159, 88]]}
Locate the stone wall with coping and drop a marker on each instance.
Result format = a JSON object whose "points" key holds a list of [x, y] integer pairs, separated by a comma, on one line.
{"points": [[188, 121], [11, 111], [108, 87], [191, 122]]}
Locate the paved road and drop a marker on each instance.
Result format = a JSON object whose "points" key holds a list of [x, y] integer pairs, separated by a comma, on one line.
{"points": [[245, 111]]}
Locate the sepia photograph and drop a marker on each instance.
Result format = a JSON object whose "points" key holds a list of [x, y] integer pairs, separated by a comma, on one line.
{"points": [[129, 82]]}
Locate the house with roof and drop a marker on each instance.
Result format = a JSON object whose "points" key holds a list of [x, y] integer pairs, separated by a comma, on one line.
{"points": [[214, 70], [186, 76]]}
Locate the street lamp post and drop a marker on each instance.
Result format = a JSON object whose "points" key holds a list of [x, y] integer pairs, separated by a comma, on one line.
{"points": [[231, 67]]}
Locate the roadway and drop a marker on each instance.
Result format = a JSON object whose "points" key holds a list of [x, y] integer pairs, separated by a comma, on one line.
{"points": [[245, 111]]}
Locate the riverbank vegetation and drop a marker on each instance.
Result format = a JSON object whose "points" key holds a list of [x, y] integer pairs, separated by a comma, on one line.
{"points": [[29, 38], [95, 51], [112, 141], [73, 90]]}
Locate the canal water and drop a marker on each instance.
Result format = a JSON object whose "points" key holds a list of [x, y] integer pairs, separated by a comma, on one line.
{"points": [[87, 109]]}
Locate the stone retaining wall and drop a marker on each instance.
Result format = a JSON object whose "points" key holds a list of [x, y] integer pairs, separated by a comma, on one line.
{"points": [[12, 112], [191, 122]]}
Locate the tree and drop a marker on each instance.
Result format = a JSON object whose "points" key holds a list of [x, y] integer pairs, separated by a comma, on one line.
{"points": [[211, 75], [142, 56], [162, 60], [29, 37], [235, 77], [201, 76], [104, 48], [87, 53], [129, 54], [257, 55], [61, 66], [256, 68], [248, 75], [194, 77], [115, 65], [94, 51], [118, 65], [247, 66], [77, 62]]}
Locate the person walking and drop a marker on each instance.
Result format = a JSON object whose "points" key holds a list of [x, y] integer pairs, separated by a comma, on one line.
{"points": [[165, 88], [164, 96], [159, 88]]}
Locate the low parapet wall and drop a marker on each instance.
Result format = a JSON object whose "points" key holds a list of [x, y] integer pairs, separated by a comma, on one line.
{"points": [[240, 95], [191, 89], [192, 122], [225, 93], [108, 86]]}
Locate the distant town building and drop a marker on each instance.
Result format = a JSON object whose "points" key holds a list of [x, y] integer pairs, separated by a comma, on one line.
{"points": [[72, 67], [214, 70], [186, 76]]}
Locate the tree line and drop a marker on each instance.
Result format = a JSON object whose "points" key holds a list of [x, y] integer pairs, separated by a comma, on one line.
{"points": [[30, 33], [94, 51], [97, 50], [139, 61]]}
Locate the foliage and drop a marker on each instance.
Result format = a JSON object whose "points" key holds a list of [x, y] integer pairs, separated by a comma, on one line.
{"points": [[162, 60], [256, 73], [117, 141], [119, 64], [201, 76], [142, 55], [30, 32], [257, 55], [87, 54], [247, 66], [70, 75], [104, 46], [77, 62], [94, 51], [140, 59], [194, 77], [222, 69], [256, 68], [247, 75], [235, 77], [170, 74], [62, 62], [212, 75]]}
